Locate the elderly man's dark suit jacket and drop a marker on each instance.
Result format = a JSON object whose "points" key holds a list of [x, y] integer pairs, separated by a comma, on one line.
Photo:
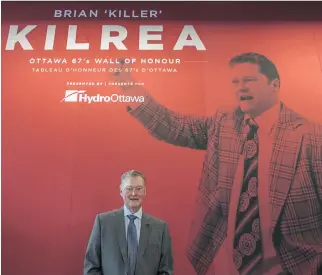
{"points": [[106, 253], [295, 175]]}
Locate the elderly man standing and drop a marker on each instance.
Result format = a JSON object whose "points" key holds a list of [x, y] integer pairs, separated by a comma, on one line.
{"points": [[129, 241]]}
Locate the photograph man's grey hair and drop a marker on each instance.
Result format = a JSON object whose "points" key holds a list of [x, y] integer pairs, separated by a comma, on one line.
{"points": [[131, 174]]}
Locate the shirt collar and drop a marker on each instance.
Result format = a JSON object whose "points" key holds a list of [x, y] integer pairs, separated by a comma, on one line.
{"points": [[138, 214], [267, 120]]}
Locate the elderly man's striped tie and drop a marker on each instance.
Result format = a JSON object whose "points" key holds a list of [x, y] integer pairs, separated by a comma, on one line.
{"points": [[132, 245]]}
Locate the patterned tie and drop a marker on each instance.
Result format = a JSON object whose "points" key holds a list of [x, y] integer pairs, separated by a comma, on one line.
{"points": [[247, 241], [132, 245]]}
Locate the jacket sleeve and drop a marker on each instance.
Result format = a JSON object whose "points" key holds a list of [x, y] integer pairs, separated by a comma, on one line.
{"points": [[316, 158], [166, 261], [171, 127], [92, 262]]}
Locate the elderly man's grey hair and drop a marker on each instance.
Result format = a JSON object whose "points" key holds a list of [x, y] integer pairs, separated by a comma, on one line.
{"points": [[131, 174]]}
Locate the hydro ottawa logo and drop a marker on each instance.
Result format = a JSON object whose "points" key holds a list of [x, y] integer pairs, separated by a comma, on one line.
{"points": [[81, 96]]}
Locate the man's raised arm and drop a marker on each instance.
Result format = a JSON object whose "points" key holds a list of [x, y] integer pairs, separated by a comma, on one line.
{"points": [[160, 122]]}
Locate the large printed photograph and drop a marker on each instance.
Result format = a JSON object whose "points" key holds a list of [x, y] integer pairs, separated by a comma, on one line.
{"points": [[161, 138]]}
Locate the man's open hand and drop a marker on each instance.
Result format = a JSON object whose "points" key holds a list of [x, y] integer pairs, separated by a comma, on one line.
{"points": [[123, 73]]}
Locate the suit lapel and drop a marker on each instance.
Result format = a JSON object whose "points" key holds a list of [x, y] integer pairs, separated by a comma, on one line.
{"points": [[285, 151], [231, 147], [144, 234], [119, 228], [144, 238]]}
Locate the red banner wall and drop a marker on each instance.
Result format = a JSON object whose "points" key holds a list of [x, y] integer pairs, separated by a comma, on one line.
{"points": [[62, 161]]}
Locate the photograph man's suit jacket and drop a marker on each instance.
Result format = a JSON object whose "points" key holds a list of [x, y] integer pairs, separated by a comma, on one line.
{"points": [[107, 250], [295, 176]]}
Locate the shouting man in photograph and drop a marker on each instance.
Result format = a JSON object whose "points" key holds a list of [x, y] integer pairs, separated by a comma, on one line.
{"points": [[259, 206]]}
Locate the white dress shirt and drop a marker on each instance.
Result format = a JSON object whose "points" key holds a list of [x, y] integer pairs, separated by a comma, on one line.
{"points": [[223, 262], [137, 221]]}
